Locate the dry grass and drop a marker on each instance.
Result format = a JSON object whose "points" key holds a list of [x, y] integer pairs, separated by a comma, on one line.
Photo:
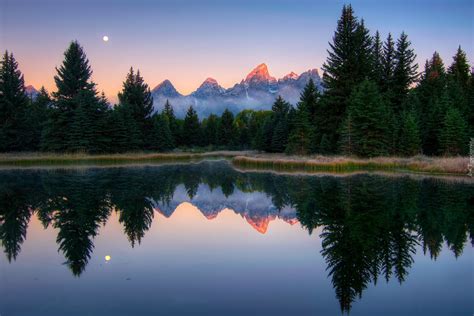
{"points": [[45, 159], [249, 159], [439, 165]]}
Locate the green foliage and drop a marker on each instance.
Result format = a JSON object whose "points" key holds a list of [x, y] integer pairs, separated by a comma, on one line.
{"points": [[35, 119], [453, 138], [77, 115], [209, 126], [162, 138], [191, 129], [349, 62], [279, 124], [410, 143], [13, 105], [136, 97], [226, 131], [370, 117], [404, 72]]}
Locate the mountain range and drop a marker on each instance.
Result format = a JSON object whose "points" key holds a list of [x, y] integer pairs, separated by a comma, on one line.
{"points": [[256, 207], [257, 91]]}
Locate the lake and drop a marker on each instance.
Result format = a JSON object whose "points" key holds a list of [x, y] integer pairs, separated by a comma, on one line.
{"points": [[207, 239]]}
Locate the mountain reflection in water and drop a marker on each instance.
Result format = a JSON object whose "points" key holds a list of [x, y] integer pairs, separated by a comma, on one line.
{"points": [[370, 226]]}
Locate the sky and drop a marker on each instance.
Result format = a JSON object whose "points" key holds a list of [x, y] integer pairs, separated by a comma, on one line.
{"points": [[187, 41]]}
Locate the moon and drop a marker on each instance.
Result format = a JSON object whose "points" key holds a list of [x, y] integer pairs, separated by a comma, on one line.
{"points": [[107, 258], [105, 38]]}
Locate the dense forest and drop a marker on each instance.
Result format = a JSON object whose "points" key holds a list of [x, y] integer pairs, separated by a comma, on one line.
{"points": [[374, 103]]}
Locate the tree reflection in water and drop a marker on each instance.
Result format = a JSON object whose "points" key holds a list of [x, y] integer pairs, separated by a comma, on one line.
{"points": [[370, 225]]}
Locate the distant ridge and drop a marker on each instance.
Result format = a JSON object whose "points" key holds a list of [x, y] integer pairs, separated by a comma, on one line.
{"points": [[257, 91]]}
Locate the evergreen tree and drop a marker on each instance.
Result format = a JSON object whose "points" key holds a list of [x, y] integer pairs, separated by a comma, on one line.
{"points": [[458, 81], [13, 105], [226, 130], [35, 119], [434, 101], [348, 63], [378, 58], [404, 72], [191, 128], [310, 103], [346, 145], [77, 113], [310, 97], [124, 131], [300, 138], [162, 139], [459, 69], [279, 125], [369, 116], [210, 126], [410, 143], [136, 96], [453, 140], [388, 66], [174, 127]]}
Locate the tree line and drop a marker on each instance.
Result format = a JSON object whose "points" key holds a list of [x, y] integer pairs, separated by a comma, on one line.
{"points": [[374, 102]]}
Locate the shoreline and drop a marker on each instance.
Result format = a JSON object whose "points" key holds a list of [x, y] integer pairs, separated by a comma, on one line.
{"points": [[248, 160]]}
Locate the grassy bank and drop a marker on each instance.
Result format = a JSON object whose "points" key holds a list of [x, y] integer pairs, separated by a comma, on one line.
{"points": [[249, 160], [51, 159], [438, 165]]}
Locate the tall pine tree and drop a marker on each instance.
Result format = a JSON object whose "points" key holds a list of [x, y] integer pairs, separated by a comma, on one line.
{"points": [[13, 105], [136, 97], [191, 129], [77, 113], [348, 63]]}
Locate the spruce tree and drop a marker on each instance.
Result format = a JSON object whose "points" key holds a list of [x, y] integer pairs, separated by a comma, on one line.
{"points": [[162, 139], [348, 63], [77, 112], [388, 65], [174, 127], [13, 105], [459, 69], [404, 72], [279, 125], [434, 101], [410, 143], [377, 59], [453, 138], [136, 96], [301, 136], [210, 126], [35, 119], [226, 131], [370, 117], [124, 131], [191, 129], [346, 141]]}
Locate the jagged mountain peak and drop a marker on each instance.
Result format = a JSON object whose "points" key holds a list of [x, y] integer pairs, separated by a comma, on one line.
{"points": [[209, 88], [291, 75], [166, 88], [259, 73]]}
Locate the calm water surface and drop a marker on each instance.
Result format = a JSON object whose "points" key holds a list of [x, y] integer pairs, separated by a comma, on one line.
{"points": [[205, 239]]}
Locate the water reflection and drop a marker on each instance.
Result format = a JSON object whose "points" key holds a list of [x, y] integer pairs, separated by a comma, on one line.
{"points": [[370, 225]]}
